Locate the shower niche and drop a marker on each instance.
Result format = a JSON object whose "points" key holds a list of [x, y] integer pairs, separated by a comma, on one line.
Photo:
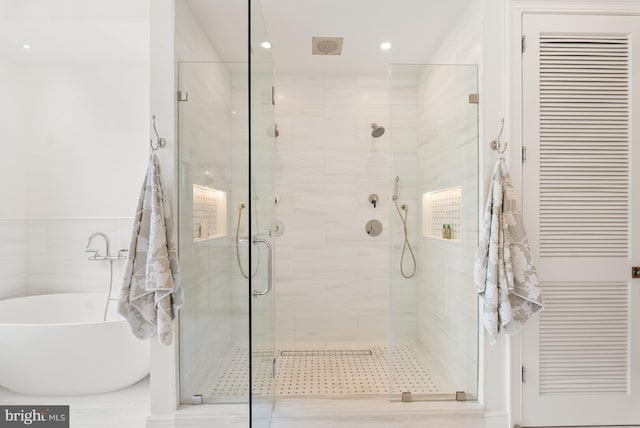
{"points": [[442, 214], [209, 213]]}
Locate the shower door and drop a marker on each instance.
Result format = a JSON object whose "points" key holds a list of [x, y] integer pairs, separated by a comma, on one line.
{"points": [[212, 216], [261, 203], [225, 213]]}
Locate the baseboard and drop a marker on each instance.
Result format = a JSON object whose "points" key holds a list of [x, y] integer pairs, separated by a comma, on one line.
{"points": [[496, 419]]}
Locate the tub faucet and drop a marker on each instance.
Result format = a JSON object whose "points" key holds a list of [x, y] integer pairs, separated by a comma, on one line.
{"points": [[96, 253]]}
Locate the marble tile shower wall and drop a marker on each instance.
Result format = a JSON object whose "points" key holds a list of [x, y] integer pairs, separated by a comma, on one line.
{"points": [[332, 277], [447, 300], [404, 141]]}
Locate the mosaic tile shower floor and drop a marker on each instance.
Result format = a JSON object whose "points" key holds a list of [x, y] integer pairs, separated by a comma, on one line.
{"points": [[320, 372]]}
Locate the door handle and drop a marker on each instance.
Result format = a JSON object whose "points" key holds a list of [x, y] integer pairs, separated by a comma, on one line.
{"points": [[267, 245]]}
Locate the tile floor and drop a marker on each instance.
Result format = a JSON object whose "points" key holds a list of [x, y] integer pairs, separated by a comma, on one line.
{"points": [[127, 408], [325, 372], [332, 387], [369, 412], [374, 413]]}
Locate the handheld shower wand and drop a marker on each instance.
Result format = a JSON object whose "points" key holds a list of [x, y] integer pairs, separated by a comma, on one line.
{"points": [[406, 245], [395, 189]]}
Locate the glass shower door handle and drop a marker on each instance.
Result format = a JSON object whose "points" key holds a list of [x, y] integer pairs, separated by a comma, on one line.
{"points": [[267, 245]]}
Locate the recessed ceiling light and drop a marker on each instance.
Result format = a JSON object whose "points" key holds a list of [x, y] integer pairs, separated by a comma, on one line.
{"points": [[26, 46], [266, 45], [385, 46]]}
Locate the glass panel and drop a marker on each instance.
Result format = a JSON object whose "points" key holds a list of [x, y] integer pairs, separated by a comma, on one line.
{"points": [[434, 218], [212, 210], [261, 208]]}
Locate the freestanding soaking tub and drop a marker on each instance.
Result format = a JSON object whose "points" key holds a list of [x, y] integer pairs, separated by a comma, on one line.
{"points": [[58, 344]]}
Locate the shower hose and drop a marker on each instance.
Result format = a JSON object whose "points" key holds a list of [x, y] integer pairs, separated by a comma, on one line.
{"points": [[106, 308], [244, 274], [405, 245]]}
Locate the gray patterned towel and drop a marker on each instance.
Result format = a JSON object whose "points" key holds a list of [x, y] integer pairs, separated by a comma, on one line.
{"points": [[151, 291], [504, 271]]}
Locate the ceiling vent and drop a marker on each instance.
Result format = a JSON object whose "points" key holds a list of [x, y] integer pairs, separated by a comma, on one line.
{"points": [[326, 45]]}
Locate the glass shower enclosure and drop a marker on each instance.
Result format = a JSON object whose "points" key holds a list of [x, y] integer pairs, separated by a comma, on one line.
{"points": [[225, 215], [226, 198], [434, 182]]}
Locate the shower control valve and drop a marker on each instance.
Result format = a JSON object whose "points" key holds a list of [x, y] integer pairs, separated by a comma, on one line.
{"points": [[373, 199], [373, 227]]}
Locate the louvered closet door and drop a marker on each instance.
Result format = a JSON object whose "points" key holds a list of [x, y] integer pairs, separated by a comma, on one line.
{"points": [[581, 193]]}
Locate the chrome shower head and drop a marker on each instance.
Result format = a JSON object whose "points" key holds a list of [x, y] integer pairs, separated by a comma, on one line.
{"points": [[377, 130]]}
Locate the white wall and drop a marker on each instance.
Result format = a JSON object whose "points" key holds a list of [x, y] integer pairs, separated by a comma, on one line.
{"points": [[12, 119], [332, 277], [13, 257], [85, 135], [164, 359], [191, 43], [73, 160], [495, 373], [463, 43]]}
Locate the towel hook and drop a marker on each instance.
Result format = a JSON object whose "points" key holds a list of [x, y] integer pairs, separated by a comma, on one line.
{"points": [[160, 142], [496, 144]]}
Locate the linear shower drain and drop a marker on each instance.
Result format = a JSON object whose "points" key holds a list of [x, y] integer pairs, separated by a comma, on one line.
{"points": [[326, 353]]}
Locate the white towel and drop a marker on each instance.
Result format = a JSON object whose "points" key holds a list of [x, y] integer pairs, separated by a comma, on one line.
{"points": [[504, 271], [151, 291]]}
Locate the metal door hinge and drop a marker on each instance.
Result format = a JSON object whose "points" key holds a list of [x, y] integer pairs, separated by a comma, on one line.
{"points": [[273, 95], [524, 374], [183, 96], [523, 43], [474, 98], [524, 154]]}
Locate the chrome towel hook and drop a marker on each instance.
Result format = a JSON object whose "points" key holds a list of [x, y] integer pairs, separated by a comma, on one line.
{"points": [[160, 142], [496, 144]]}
